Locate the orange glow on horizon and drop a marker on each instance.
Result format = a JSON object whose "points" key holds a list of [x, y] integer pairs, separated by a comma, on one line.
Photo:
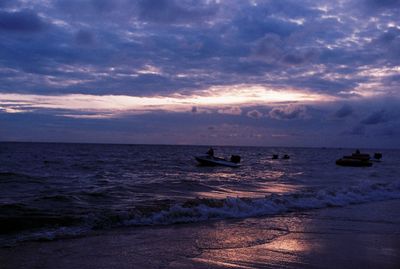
{"points": [[110, 105]]}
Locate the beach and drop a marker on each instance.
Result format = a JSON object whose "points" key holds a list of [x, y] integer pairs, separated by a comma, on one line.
{"points": [[199, 134], [356, 236]]}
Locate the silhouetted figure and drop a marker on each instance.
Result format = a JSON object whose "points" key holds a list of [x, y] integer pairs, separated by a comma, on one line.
{"points": [[357, 151], [286, 157], [274, 156], [210, 152]]}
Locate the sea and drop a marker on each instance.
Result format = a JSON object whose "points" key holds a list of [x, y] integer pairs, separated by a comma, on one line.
{"points": [[50, 191]]}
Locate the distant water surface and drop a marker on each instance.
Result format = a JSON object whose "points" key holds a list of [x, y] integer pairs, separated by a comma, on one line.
{"points": [[50, 191]]}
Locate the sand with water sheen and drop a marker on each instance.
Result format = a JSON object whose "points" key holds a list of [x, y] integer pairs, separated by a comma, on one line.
{"points": [[356, 236]]}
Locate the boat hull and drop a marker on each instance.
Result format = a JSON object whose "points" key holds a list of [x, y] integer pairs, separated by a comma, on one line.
{"points": [[214, 161], [353, 162]]}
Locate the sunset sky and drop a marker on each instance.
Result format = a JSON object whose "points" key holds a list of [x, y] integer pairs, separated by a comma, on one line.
{"points": [[210, 72]]}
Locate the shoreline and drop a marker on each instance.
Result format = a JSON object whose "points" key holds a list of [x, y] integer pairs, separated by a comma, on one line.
{"points": [[355, 236]]}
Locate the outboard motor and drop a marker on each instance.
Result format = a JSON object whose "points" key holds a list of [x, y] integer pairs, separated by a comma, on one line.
{"points": [[235, 158], [378, 155]]}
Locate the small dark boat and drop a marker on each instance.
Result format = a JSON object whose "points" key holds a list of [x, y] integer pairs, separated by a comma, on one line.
{"points": [[208, 160], [359, 156], [356, 159], [346, 161]]}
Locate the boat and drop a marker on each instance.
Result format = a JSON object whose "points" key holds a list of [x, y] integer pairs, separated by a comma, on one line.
{"points": [[359, 156], [345, 161], [208, 160], [356, 159]]}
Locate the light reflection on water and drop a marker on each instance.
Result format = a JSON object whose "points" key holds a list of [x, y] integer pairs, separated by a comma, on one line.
{"points": [[256, 243]]}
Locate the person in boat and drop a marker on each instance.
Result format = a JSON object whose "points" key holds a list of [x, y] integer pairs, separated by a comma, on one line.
{"points": [[357, 151], [210, 152]]}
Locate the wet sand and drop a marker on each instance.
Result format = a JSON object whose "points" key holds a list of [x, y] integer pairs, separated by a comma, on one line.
{"points": [[357, 236]]}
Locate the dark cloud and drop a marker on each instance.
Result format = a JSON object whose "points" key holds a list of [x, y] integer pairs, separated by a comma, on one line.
{"points": [[90, 8], [104, 5], [172, 11], [344, 111], [391, 42], [376, 118], [383, 3], [83, 37], [358, 130], [21, 21], [240, 44], [10, 4], [155, 48], [269, 48]]}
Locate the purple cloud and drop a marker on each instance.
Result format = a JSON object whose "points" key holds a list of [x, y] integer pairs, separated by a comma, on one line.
{"points": [[177, 48], [255, 114], [290, 112], [344, 111], [375, 118], [24, 21]]}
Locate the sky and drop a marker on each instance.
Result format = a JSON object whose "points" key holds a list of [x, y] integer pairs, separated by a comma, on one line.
{"points": [[310, 73]]}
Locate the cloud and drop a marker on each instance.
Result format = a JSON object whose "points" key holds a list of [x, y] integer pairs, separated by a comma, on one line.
{"points": [[376, 118], [172, 11], [230, 110], [83, 9], [290, 112], [255, 114], [24, 21], [6, 3], [84, 37], [345, 111], [358, 130], [382, 3], [213, 99], [269, 48], [226, 58], [197, 44]]}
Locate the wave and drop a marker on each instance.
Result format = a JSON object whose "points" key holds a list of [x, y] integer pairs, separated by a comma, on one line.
{"points": [[236, 207], [203, 209]]}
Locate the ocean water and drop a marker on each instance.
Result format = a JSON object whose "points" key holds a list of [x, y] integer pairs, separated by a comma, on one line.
{"points": [[50, 191]]}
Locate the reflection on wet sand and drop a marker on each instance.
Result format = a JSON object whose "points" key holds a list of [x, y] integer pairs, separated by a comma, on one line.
{"points": [[335, 238], [288, 246], [249, 244], [358, 236]]}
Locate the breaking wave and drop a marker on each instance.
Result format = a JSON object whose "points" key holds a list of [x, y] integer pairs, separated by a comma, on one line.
{"points": [[203, 209], [236, 207]]}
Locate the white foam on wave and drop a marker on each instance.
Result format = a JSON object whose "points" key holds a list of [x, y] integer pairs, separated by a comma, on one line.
{"points": [[236, 207], [230, 207]]}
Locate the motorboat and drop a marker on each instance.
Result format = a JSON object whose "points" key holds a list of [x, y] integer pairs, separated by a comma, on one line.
{"points": [[208, 160], [359, 156], [356, 159], [345, 161]]}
